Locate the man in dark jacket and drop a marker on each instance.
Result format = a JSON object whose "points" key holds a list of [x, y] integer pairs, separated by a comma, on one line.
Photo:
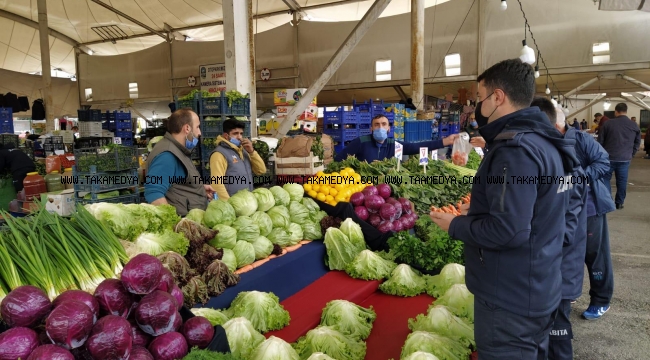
{"points": [[18, 164], [621, 138], [514, 230], [646, 143]]}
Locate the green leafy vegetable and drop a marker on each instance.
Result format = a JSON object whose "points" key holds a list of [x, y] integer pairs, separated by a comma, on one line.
{"points": [[281, 196], [263, 221], [473, 161], [319, 356], [353, 231], [196, 215], [340, 250], [280, 237], [244, 203], [369, 266], [219, 212], [295, 233], [310, 204], [298, 212], [438, 345], [459, 300], [280, 216], [296, 191], [229, 259], [242, 337], [215, 317], [156, 244], [451, 274], [331, 342], [265, 199], [441, 321], [421, 355], [198, 354], [247, 229], [226, 237], [404, 281], [263, 247], [244, 252], [348, 318], [312, 231], [263, 310], [274, 348]]}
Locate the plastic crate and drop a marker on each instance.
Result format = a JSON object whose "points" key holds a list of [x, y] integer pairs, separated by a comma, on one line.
{"points": [[90, 129], [365, 118], [188, 104], [56, 139], [124, 134], [122, 116], [6, 114], [364, 129], [133, 198], [127, 142], [89, 115], [123, 125], [396, 108], [95, 181], [9, 139], [119, 158], [342, 135], [214, 128], [212, 105], [340, 117], [239, 107], [370, 106], [7, 127], [92, 142], [417, 130]]}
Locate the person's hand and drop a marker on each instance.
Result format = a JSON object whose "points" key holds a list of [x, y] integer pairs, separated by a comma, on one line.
{"points": [[248, 145], [442, 219], [477, 142], [449, 140], [464, 209], [209, 191]]}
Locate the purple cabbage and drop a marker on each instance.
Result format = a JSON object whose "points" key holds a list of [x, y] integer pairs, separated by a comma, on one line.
{"points": [[50, 352], [140, 353], [398, 225], [370, 190], [141, 275], [111, 339], [69, 324], [357, 199], [397, 205], [385, 226], [361, 212], [140, 338], [198, 331], [177, 294], [374, 220], [113, 298], [373, 203], [156, 313], [383, 190], [388, 212], [17, 343], [169, 346], [178, 322], [25, 306], [81, 296], [167, 281], [406, 205]]}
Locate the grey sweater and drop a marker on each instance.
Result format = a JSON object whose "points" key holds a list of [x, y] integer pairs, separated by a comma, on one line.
{"points": [[621, 138]]}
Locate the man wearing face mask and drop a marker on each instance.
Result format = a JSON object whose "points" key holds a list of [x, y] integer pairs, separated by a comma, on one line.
{"points": [[379, 147], [234, 161], [514, 229], [170, 161]]}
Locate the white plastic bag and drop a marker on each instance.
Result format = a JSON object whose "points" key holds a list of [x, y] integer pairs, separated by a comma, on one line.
{"points": [[460, 151]]}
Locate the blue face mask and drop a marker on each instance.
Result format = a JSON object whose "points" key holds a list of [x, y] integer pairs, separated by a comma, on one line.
{"points": [[474, 123], [191, 144], [380, 134], [235, 141]]}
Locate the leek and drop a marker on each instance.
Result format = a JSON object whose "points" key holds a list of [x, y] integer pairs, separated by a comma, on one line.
{"points": [[9, 274]]}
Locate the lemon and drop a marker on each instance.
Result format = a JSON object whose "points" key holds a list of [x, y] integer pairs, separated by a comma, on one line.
{"points": [[307, 187], [344, 173], [320, 174], [329, 198], [312, 193], [349, 170], [324, 190], [321, 197], [315, 187], [333, 192], [339, 198]]}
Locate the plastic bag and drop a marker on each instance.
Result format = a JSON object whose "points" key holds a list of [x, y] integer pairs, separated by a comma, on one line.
{"points": [[52, 163], [460, 151]]}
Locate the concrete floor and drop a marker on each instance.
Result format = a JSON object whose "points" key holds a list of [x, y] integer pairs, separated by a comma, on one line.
{"points": [[623, 333]]}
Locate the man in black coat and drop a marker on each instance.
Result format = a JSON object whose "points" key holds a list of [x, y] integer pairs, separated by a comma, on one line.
{"points": [[17, 162]]}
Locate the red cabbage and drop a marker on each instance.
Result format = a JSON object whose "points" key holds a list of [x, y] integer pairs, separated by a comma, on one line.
{"points": [[374, 220], [370, 190], [177, 294], [385, 226], [178, 322], [139, 337], [383, 190], [141, 275], [397, 205], [357, 199], [361, 212], [373, 203], [407, 207], [113, 298], [198, 331], [388, 212], [169, 346], [111, 339], [156, 313], [50, 352], [81, 296], [398, 225], [17, 343], [69, 324], [140, 353], [25, 306], [167, 281]]}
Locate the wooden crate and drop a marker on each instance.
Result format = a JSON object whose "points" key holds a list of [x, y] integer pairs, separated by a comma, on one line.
{"points": [[298, 165]]}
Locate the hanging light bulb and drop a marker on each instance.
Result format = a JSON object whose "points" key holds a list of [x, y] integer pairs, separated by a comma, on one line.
{"points": [[548, 91], [536, 71], [527, 54], [504, 5], [554, 102], [565, 110], [606, 105]]}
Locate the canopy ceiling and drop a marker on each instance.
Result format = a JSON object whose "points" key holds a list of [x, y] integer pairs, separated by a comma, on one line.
{"points": [[73, 20], [624, 5]]}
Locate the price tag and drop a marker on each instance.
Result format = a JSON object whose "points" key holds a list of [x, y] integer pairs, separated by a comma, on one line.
{"points": [[70, 158], [434, 155], [424, 156], [117, 140], [399, 150], [59, 152], [478, 150]]}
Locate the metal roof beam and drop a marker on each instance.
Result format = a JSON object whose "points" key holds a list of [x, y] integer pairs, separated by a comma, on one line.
{"points": [[133, 20], [33, 24]]}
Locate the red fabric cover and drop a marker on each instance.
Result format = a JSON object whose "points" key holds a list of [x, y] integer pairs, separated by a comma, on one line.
{"points": [[306, 306]]}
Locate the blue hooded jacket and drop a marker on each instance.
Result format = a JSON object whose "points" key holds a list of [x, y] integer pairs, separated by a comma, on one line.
{"points": [[514, 231], [595, 161]]}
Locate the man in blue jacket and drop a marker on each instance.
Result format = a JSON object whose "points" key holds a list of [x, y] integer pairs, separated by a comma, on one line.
{"points": [[379, 147], [575, 238], [514, 230]]}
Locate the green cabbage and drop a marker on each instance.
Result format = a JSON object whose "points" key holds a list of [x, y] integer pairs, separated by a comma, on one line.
{"points": [[421, 355], [459, 301], [331, 342], [404, 281], [245, 253], [196, 215], [295, 232], [299, 213], [156, 244], [226, 237], [281, 196], [280, 237], [317, 216], [340, 250], [219, 212], [438, 345], [319, 356], [265, 199], [244, 203], [263, 247], [215, 317], [263, 221], [441, 321], [262, 309], [280, 217], [369, 266], [353, 231], [247, 229], [451, 274], [274, 349], [310, 204], [242, 337], [229, 259], [348, 318], [296, 192], [312, 231]]}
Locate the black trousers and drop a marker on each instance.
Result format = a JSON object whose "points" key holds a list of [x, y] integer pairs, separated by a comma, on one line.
{"points": [[503, 335], [560, 346], [599, 261]]}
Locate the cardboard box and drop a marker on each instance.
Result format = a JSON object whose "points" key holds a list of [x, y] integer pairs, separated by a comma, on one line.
{"points": [[60, 202], [310, 126], [310, 114], [289, 97]]}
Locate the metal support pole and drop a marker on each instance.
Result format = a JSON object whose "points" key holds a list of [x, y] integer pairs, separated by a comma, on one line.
{"points": [[251, 59], [296, 52], [579, 88], [480, 41], [400, 92], [46, 69], [636, 82], [639, 99], [333, 64], [593, 102], [417, 53]]}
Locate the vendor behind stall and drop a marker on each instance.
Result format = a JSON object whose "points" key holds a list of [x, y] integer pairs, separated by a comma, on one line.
{"points": [[18, 164], [378, 147]]}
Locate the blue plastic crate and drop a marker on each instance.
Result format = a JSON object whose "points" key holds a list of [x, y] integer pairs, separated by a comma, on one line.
{"points": [[123, 125], [417, 130], [6, 114], [341, 117], [239, 107], [365, 129], [127, 142], [122, 116], [213, 105], [365, 118], [96, 181], [214, 128], [389, 115], [454, 128], [124, 134], [185, 104], [7, 127], [342, 135], [370, 106]]}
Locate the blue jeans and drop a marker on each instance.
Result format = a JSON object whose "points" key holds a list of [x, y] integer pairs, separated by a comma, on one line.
{"points": [[620, 168]]}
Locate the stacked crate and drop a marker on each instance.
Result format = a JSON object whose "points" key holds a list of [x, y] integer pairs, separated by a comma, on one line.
{"points": [[6, 121], [124, 128], [397, 111], [342, 126], [98, 173], [52, 144], [90, 123], [368, 110]]}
